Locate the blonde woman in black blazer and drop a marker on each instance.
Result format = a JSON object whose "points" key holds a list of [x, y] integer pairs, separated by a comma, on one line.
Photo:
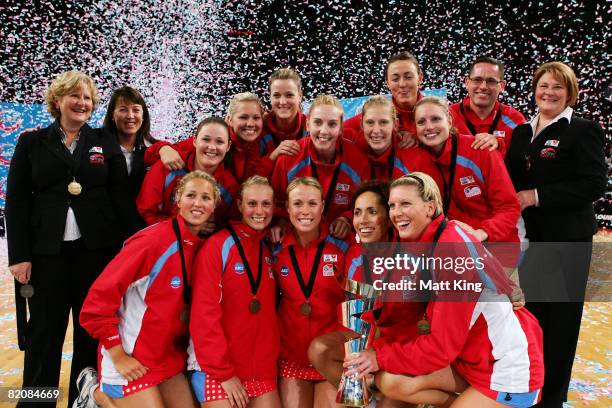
{"points": [[557, 165], [67, 208]]}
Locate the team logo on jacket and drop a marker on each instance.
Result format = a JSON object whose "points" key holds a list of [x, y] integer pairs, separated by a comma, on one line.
{"points": [[175, 282], [284, 271], [548, 153], [466, 180], [96, 158], [328, 270], [552, 142], [239, 268], [341, 199], [343, 187], [330, 258], [471, 191], [96, 149], [499, 133]]}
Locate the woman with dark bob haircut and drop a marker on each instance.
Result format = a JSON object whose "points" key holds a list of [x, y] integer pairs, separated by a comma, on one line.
{"points": [[127, 118]]}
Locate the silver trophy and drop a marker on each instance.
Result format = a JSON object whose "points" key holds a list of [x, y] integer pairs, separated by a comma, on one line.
{"points": [[353, 392]]}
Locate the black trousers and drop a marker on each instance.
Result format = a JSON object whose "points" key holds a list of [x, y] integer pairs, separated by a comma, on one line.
{"points": [[61, 283], [554, 277]]}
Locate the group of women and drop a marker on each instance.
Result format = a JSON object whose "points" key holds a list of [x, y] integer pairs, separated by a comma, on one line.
{"points": [[252, 223]]}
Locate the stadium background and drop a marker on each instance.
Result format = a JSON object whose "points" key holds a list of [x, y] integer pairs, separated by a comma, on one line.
{"points": [[189, 56]]}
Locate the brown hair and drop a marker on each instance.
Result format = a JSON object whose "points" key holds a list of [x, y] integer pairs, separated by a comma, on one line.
{"points": [[488, 60], [403, 56], [129, 94], [563, 74]]}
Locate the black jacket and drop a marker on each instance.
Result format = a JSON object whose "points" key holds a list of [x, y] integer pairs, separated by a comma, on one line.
{"points": [[37, 198], [566, 164]]}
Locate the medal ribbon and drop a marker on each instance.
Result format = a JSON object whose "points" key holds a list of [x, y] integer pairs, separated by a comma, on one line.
{"points": [[179, 241], [332, 185], [471, 126], [307, 290], [252, 282], [448, 186], [390, 165]]}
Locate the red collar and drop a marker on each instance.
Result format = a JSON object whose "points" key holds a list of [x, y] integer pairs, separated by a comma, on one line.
{"points": [[244, 231], [488, 119], [291, 239], [293, 134], [314, 156]]}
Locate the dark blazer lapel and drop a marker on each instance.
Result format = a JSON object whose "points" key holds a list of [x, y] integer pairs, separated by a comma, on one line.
{"points": [[83, 143], [51, 139]]}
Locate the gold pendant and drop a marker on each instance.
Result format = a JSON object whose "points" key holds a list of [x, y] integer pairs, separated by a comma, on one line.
{"points": [[74, 187]]}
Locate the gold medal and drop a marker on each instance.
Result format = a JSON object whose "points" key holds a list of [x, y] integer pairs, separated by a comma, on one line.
{"points": [[305, 309], [254, 306], [74, 187], [423, 326]]}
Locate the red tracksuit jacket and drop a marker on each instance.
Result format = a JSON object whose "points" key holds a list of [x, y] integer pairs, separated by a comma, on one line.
{"points": [[155, 200], [508, 120], [405, 161], [405, 120], [353, 171], [489, 344], [397, 320], [297, 330], [228, 340], [272, 137], [138, 299], [482, 193], [247, 159]]}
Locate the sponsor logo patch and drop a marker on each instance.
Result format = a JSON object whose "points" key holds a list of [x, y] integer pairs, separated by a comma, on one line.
{"points": [[499, 133], [466, 180], [330, 258], [341, 199], [548, 153], [175, 282], [96, 158], [552, 142], [471, 191], [96, 149], [284, 271], [239, 268], [328, 270], [343, 187]]}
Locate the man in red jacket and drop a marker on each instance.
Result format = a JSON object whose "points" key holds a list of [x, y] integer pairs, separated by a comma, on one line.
{"points": [[480, 114]]}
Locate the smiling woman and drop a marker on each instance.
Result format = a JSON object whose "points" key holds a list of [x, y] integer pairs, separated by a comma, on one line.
{"points": [[210, 146], [558, 167], [67, 209]]}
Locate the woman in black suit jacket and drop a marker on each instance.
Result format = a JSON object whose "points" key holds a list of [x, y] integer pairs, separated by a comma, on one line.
{"points": [[557, 165], [127, 118], [67, 208]]}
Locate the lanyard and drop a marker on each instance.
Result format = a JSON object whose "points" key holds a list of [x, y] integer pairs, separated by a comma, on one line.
{"points": [[307, 290], [332, 185], [179, 241], [252, 282], [390, 165], [471, 126], [426, 273], [448, 186]]}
